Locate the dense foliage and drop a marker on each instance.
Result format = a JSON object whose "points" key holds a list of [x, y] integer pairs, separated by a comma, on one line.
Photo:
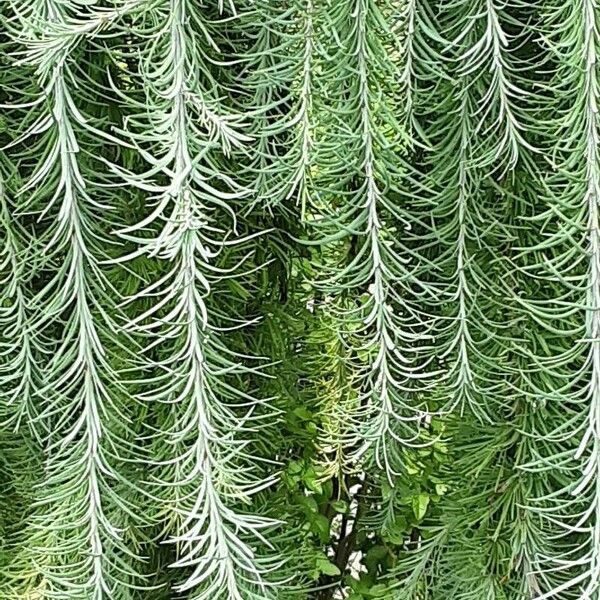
{"points": [[299, 299]]}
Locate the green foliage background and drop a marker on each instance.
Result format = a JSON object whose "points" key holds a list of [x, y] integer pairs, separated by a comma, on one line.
{"points": [[299, 299]]}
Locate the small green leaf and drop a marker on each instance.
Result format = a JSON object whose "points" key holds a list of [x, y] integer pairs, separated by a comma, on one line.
{"points": [[326, 567], [340, 506], [395, 532], [295, 466], [320, 525], [386, 490], [374, 557], [303, 413], [419, 505], [310, 478]]}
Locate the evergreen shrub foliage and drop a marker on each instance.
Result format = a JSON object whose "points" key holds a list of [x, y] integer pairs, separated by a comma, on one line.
{"points": [[299, 299]]}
